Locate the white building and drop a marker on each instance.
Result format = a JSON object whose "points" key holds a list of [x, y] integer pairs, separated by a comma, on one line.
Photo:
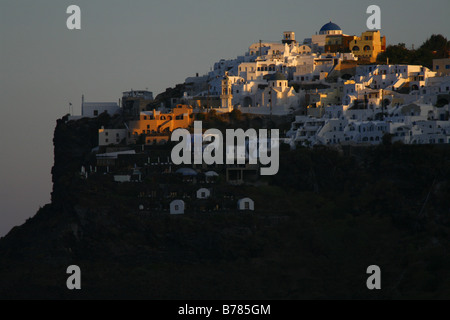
{"points": [[409, 124], [111, 136], [246, 204], [393, 77], [177, 207], [94, 109], [122, 178], [318, 40], [274, 97], [244, 82], [203, 193], [305, 128]]}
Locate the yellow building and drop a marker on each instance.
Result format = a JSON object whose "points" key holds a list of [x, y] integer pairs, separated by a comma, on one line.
{"points": [[368, 46], [442, 67], [155, 123], [332, 96]]}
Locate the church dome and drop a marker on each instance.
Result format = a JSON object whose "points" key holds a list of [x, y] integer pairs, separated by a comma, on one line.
{"points": [[330, 26]]}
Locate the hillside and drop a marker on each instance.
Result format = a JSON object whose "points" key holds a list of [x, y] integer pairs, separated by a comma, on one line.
{"points": [[318, 225]]}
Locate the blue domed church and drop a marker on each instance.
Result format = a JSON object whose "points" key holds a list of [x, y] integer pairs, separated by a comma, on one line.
{"points": [[330, 28], [330, 33]]}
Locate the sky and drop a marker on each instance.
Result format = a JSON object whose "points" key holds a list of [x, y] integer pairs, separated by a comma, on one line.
{"points": [[142, 44]]}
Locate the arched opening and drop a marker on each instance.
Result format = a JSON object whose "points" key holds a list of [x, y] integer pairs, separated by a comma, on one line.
{"points": [[414, 87], [366, 48], [248, 102], [355, 48], [442, 102]]}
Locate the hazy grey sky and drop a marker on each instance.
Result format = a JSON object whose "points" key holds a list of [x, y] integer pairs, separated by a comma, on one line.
{"points": [[142, 44]]}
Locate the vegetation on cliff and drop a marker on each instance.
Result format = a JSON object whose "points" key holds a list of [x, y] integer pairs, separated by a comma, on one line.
{"points": [[436, 47]]}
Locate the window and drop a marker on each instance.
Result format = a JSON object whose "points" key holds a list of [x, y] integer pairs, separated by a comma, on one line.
{"points": [[203, 195], [355, 48], [437, 67], [106, 140], [106, 133], [447, 66], [95, 112], [247, 205], [177, 207]]}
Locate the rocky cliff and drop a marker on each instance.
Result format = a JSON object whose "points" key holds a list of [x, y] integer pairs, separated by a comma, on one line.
{"points": [[318, 225]]}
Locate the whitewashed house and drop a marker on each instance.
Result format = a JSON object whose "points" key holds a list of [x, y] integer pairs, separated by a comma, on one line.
{"points": [[111, 136], [246, 204], [94, 109], [177, 207], [203, 193], [122, 178]]}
